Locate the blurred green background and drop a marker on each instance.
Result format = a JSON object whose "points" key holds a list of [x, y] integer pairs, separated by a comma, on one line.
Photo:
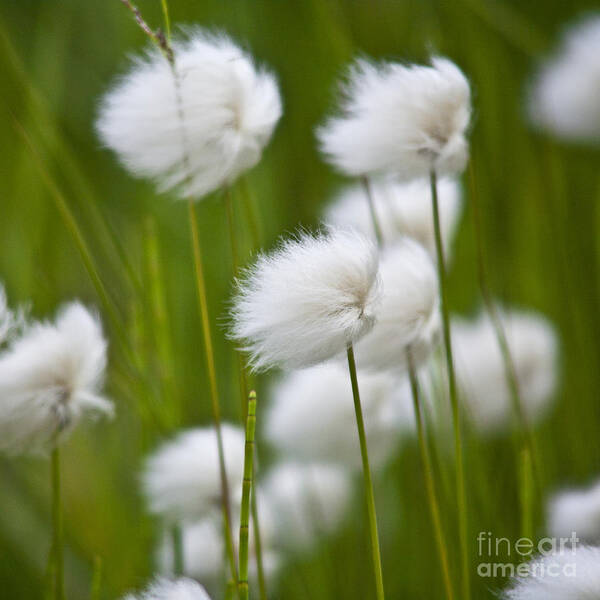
{"points": [[541, 210]]}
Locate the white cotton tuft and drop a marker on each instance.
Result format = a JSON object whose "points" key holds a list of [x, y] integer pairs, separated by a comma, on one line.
{"points": [[199, 134], [311, 415], [408, 316], [50, 380], [563, 97], [403, 209], [181, 480], [480, 368], [576, 511], [307, 501], [394, 118], [180, 589], [204, 548], [304, 303], [567, 575], [11, 322]]}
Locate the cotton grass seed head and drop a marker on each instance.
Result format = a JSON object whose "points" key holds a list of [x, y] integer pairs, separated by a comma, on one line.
{"points": [[163, 589], [204, 549], [181, 480], [311, 415], [50, 380], [402, 208], [567, 575], [199, 130], [408, 317], [307, 501], [402, 119], [481, 374], [306, 301], [563, 97], [576, 510]]}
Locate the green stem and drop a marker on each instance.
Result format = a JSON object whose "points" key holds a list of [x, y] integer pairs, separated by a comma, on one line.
{"points": [[372, 210], [57, 527], [526, 494], [251, 214], [429, 482], [80, 243], [246, 489], [236, 264], [212, 380], [370, 496], [243, 382], [510, 372], [96, 579], [262, 583], [178, 557], [231, 225], [165, 11], [161, 326], [460, 474]]}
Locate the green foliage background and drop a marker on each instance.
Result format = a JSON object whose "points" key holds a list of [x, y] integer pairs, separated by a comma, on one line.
{"points": [[541, 209]]}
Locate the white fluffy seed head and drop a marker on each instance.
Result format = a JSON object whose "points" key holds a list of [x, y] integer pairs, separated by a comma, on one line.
{"points": [[480, 367], [576, 511], [403, 209], [563, 98], [400, 119], [311, 415], [408, 316], [204, 549], [181, 480], [50, 379], [306, 301], [198, 131], [164, 589], [307, 501], [567, 575]]}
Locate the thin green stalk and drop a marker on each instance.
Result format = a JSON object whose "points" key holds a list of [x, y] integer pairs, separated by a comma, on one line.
{"points": [[71, 225], [96, 586], [460, 473], [228, 201], [373, 212], [370, 496], [251, 213], [246, 489], [45, 121], [165, 10], [230, 590], [231, 226], [161, 325], [260, 567], [526, 494], [178, 557], [212, 380], [57, 526], [243, 382], [164, 45], [429, 482], [510, 371]]}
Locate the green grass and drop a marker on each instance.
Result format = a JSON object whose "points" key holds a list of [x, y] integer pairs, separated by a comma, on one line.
{"points": [[540, 203]]}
